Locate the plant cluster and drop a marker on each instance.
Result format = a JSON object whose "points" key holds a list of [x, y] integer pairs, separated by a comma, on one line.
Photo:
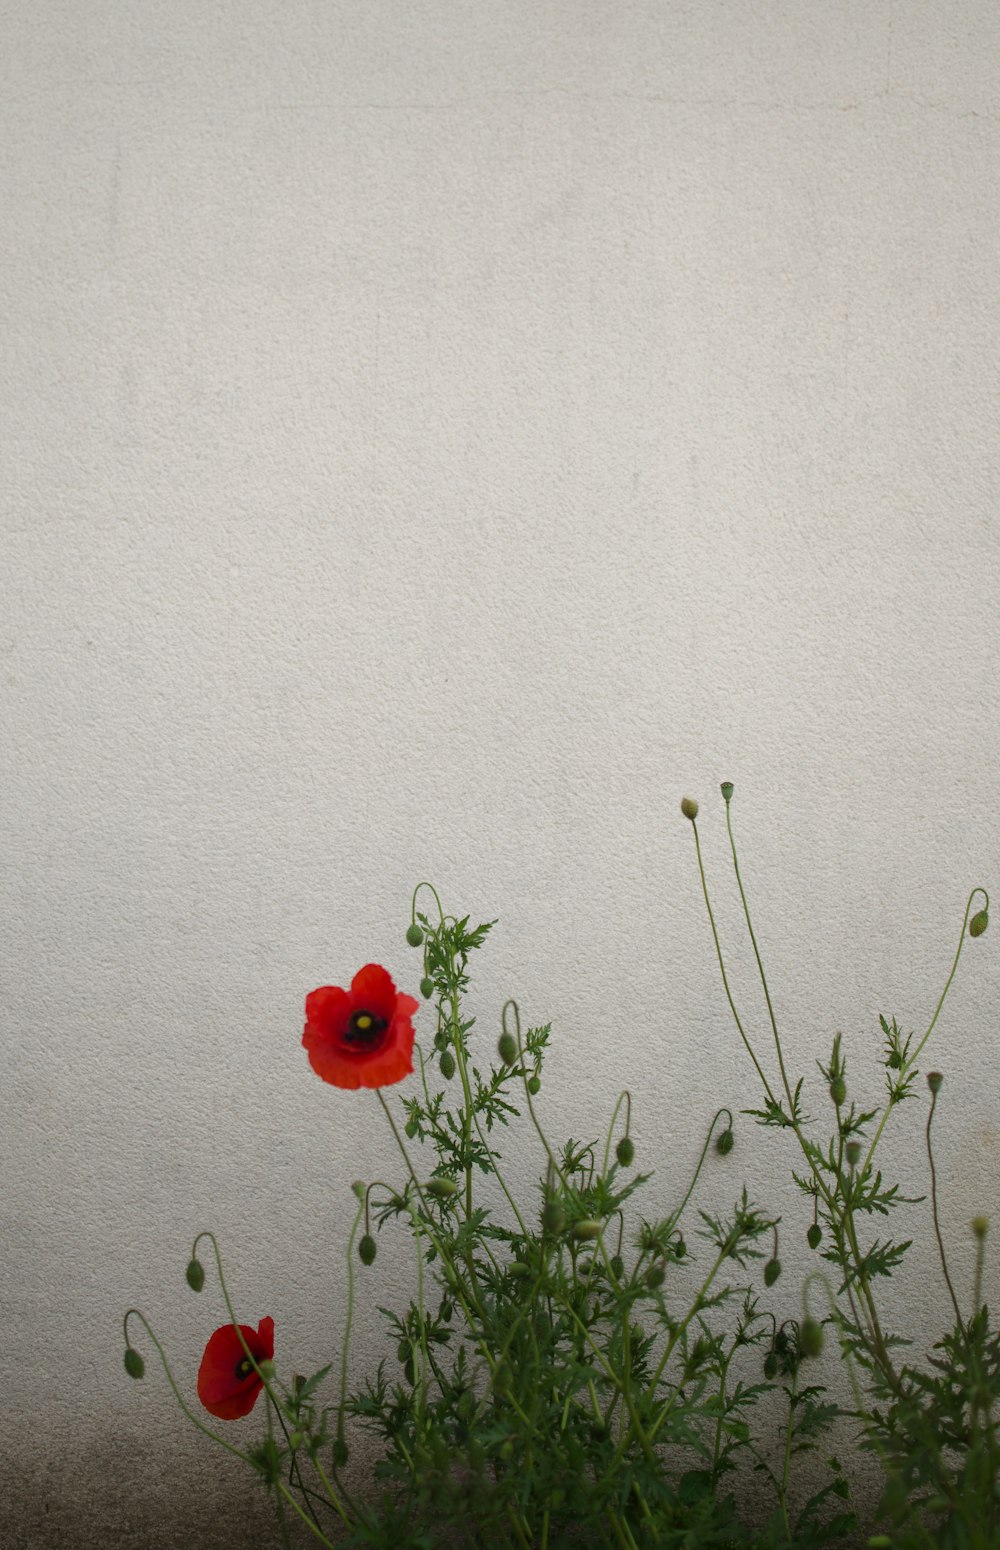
{"points": [[569, 1372]]}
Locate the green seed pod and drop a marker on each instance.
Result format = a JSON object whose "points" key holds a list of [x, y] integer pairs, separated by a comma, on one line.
{"points": [[655, 1276], [852, 1152], [507, 1048], [814, 1235], [134, 1364], [978, 923], [195, 1275], [838, 1090], [772, 1271], [724, 1142], [414, 935], [689, 808], [934, 1080], [447, 1064], [553, 1216], [811, 1338], [534, 1085], [340, 1453], [586, 1230], [771, 1365], [367, 1249], [427, 988], [441, 1188], [727, 790], [625, 1152]]}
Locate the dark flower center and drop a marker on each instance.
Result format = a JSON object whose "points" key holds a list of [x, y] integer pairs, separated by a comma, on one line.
{"points": [[244, 1368], [365, 1029]]}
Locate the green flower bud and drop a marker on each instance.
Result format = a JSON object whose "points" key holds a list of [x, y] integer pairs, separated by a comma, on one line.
{"points": [[340, 1453], [367, 1249], [680, 1248], [895, 1060], [507, 1048], [195, 1275], [295, 1441], [414, 935], [814, 1235], [934, 1080], [441, 1188], [772, 1271], [980, 1226], [625, 1152], [617, 1266], [771, 1365], [879, 1542], [134, 1364], [689, 808], [427, 988], [725, 1141], [586, 1230], [358, 1189], [838, 1090], [655, 1276], [853, 1153], [978, 923], [727, 790], [553, 1216], [811, 1338], [534, 1085], [518, 1269], [447, 1064], [267, 1369], [411, 1127]]}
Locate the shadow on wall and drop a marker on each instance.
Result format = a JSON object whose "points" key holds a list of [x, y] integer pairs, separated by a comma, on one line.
{"points": [[115, 1496]]}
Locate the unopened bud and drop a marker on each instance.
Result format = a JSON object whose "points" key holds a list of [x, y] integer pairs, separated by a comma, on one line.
{"points": [[411, 1127], [195, 1275], [811, 1338], [534, 1085], [655, 1276], [447, 1064], [267, 1369], [441, 1188], [680, 1248], [427, 988], [727, 790], [771, 1365], [689, 808], [414, 935], [340, 1454], [772, 1271], [553, 1216], [838, 1090], [295, 1441], [367, 1249], [586, 1230], [134, 1364], [625, 1151], [358, 1188], [978, 923], [814, 1235], [934, 1080], [724, 1142], [980, 1226], [853, 1153], [507, 1048], [518, 1269]]}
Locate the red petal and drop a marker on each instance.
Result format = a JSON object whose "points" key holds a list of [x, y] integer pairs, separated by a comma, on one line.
{"points": [[328, 1007], [373, 989]]}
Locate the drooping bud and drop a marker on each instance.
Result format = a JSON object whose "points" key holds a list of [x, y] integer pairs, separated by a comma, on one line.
{"points": [[507, 1048], [427, 988], [414, 935], [689, 808], [680, 1248], [134, 1364], [447, 1064], [553, 1216], [814, 1235], [367, 1249], [724, 1141], [772, 1271], [980, 1226], [934, 1080], [625, 1151], [771, 1365], [586, 1230], [195, 1275], [411, 1128], [978, 923], [853, 1153], [441, 1188], [727, 790], [617, 1266], [534, 1085], [811, 1338], [838, 1090]]}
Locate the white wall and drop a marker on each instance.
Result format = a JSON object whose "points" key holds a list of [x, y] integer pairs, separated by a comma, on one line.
{"points": [[436, 437]]}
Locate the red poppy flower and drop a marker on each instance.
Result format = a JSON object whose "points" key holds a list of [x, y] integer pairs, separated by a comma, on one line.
{"points": [[227, 1384], [360, 1037]]}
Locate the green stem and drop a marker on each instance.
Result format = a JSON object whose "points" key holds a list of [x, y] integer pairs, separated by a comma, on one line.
{"points": [[934, 1213]]}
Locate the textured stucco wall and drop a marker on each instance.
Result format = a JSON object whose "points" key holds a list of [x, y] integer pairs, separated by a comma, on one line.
{"points": [[436, 436]]}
